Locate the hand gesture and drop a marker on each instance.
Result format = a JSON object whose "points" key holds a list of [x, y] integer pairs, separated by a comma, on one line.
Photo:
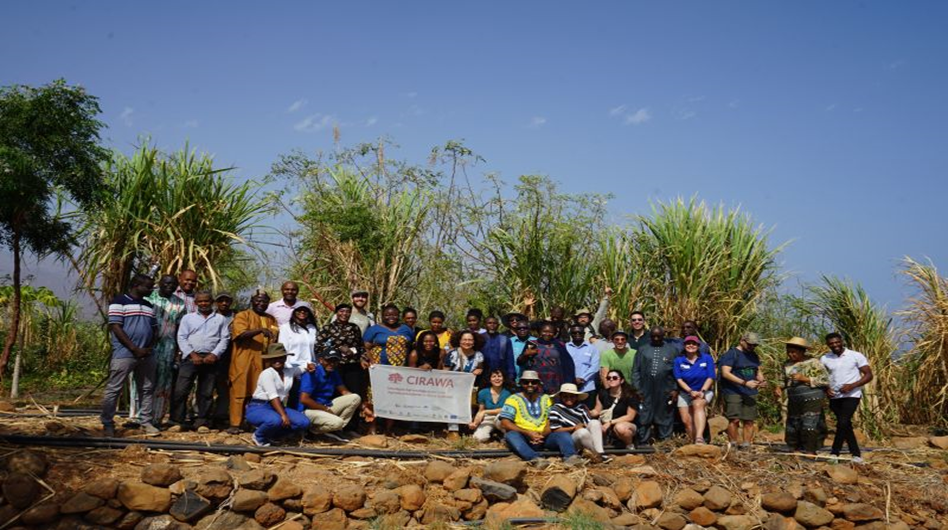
{"points": [[266, 333], [608, 291]]}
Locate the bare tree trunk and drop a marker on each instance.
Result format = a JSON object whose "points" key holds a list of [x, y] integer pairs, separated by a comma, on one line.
{"points": [[15, 384], [15, 324]]}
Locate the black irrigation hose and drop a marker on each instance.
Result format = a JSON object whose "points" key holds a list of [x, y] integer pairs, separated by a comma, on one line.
{"points": [[170, 445]]}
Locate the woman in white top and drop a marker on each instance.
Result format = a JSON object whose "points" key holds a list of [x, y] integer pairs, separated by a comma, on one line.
{"points": [[298, 336], [267, 410]]}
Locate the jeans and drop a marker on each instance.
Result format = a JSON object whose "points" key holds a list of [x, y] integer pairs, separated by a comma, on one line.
{"points": [[844, 409], [557, 441], [206, 376], [269, 426], [143, 370]]}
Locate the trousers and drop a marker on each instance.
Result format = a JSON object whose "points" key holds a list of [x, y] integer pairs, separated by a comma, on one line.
{"points": [[143, 371]]}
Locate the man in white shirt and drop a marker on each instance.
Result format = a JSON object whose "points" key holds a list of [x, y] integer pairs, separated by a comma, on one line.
{"points": [[848, 371], [282, 309]]}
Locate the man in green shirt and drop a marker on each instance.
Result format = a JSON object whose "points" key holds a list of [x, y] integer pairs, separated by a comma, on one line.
{"points": [[620, 357]]}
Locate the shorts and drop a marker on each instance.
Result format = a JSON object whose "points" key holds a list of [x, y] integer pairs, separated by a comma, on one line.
{"points": [[740, 407], [685, 399]]}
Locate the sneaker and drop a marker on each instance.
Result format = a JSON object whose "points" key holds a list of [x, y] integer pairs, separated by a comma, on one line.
{"points": [[258, 442], [574, 461], [833, 460], [630, 447], [539, 463], [108, 431], [150, 430], [858, 460], [606, 459], [699, 441], [335, 437]]}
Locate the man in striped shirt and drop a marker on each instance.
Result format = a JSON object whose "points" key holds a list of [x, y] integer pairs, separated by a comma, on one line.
{"points": [[133, 331]]}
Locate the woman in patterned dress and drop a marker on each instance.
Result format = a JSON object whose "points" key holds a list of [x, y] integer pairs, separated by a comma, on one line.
{"points": [[387, 342]]}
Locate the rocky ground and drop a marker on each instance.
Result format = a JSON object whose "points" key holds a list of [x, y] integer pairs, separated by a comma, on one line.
{"points": [[904, 484]]}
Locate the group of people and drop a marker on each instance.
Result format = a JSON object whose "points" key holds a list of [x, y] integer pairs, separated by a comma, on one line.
{"points": [[583, 383]]}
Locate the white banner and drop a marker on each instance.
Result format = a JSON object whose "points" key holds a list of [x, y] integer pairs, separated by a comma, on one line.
{"points": [[402, 393]]}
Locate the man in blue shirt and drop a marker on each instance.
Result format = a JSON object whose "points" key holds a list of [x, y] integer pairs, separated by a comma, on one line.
{"points": [[586, 361], [498, 352], [317, 388], [133, 331], [202, 339], [519, 340], [689, 328], [740, 378]]}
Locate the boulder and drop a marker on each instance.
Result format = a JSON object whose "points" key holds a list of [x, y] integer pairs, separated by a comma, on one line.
{"points": [[81, 503], [503, 511], [779, 522], [237, 463], [647, 494], [623, 487], [227, 520], [190, 507], [626, 519], [593, 511], [129, 521], [842, 474], [437, 471], [20, 490], [811, 515], [414, 439], [144, 497], [28, 462], [103, 515], [440, 513], [412, 497], [717, 425], [40, 514], [609, 498], [861, 512], [702, 516], [258, 479], [285, 488], [842, 524], [457, 479], [909, 442], [478, 511], [816, 495], [103, 488], [699, 451], [690, 499], [269, 514], [376, 441], [940, 442], [558, 494], [161, 474], [717, 499], [494, 491], [249, 500], [334, 519], [363, 513], [510, 472], [386, 502], [349, 497], [671, 521], [736, 522], [181, 486], [214, 483], [778, 501], [161, 522], [628, 461]]}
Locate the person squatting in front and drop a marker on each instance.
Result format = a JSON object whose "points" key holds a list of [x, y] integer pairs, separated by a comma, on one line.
{"points": [[525, 419], [267, 410]]}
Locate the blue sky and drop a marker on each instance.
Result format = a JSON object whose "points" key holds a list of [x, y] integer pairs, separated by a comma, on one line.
{"points": [[825, 120]]}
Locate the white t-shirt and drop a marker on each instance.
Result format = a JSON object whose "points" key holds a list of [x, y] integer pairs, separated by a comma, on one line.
{"points": [[271, 385], [299, 345], [844, 369]]}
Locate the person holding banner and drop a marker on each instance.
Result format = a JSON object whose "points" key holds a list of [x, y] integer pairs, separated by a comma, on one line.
{"points": [[467, 358], [526, 420], [386, 343], [427, 354]]}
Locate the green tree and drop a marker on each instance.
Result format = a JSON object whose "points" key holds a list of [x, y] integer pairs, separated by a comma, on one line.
{"points": [[49, 144]]}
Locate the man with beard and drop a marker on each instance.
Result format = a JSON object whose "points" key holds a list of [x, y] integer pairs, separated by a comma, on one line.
{"points": [[253, 331], [653, 377], [361, 316], [525, 419], [283, 308], [740, 379]]}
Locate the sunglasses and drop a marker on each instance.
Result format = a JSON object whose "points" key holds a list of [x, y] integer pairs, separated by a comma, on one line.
{"points": [[521, 328], [613, 378], [638, 320], [529, 382]]}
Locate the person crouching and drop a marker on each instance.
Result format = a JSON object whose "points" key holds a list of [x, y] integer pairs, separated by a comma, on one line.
{"points": [[266, 410], [317, 388], [525, 418]]}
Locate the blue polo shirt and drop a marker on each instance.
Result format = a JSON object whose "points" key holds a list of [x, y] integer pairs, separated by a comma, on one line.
{"points": [[320, 385], [745, 366], [694, 374], [136, 316]]}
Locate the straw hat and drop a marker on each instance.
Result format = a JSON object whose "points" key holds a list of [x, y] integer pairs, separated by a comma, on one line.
{"points": [[274, 351], [570, 388], [799, 342]]}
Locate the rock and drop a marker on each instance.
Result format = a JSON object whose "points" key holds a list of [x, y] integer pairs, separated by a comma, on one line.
{"points": [[412, 497], [644, 471], [842, 474], [81, 503], [736, 522], [144, 497], [522, 508], [558, 493], [702, 516], [349, 497], [181, 486], [295, 525], [251, 457], [698, 451], [842, 524], [414, 439], [671, 521], [623, 487], [457, 479], [227, 520], [717, 424], [214, 483], [363, 513], [161, 522], [269, 514], [258, 479], [250, 500], [470, 495], [440, 513], [437, 471], [628, 461], [6, 406], [189, 507], [779, 522], [161, 474], [293, 505], [510, 472], [28, 463], [778, 501], [898, 525], [941, 442], [376, 441], [860, 512], [626, 519], [103, 488], [811, 515], [717, 499], [103, 515], [815, 495], [129, 521], [385, 502], [593, 511], [285, 488], [334, 519], [494, 491], [237, 463], [214, 475], [609, 498], [909, 442], [690, 499], [601, 478], [40, 514], [647, 494], [478, 511], [874, 525], [20, 490]]}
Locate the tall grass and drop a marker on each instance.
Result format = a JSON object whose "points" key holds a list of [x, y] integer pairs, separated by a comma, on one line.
{"points": [[925, 366], [866, 328]]}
